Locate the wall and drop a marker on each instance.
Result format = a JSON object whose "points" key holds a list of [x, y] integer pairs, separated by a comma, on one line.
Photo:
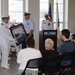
{"points": [[71, 15], [4, 7], [34, 10]]}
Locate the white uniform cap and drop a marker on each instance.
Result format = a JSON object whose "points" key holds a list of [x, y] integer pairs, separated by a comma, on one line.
{"points": [[26, 13], [5, 17]]}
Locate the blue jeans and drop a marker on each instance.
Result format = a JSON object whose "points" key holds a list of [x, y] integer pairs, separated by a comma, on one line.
{"points": [[24, 45], [19, 72]]}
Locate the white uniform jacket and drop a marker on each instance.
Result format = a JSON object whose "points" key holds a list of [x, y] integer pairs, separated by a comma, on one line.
{"points": [[46, 25]]}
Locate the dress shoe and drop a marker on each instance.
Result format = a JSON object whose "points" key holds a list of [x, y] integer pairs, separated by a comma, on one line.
{"points": [[8, 64], [9, 58], [6, 67]]}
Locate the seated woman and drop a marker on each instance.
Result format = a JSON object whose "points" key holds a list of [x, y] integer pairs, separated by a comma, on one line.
{"points": [[46, 54], [49, 51], [26, 54]]}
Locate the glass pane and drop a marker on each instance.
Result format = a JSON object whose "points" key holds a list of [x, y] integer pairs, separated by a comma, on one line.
{"points": [[44, 6], [15, 5], [55, 1], [59, 1], [0, 5], [60, 26], [0, 11], [60, 17], [60, 8], [44, 0], [16, 10], [0, 16], [16, 17], [43, 9]]}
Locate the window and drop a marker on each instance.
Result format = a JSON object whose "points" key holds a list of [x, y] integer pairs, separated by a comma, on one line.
{"points": [[60, 10], [0, 11], [16, 10], [43, 10]]}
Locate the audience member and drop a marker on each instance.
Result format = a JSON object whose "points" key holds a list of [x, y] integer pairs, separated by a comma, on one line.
{"points": [[49, 51], [67, 46], [73, 37], [27, 54]]}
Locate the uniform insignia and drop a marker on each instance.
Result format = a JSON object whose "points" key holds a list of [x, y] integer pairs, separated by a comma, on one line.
{"points": [[1, 23], [49, 24], [28, 24], [44, 21]]}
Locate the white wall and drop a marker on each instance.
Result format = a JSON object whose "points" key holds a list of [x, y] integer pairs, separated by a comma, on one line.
{"points": [[34, 10], [71, 15]]}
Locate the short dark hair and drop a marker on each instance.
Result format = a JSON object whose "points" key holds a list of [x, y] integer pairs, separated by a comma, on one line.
{"points": [[31, 42], [66, 33], [46, 15], [73, 36]]}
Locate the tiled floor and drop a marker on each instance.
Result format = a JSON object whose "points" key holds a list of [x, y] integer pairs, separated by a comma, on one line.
{"points": [[12, 70]]}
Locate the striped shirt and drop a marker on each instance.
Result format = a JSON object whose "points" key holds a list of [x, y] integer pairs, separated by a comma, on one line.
{"points": [[67, 46]]}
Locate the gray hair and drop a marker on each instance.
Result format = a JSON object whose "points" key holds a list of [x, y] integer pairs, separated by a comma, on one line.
{"points": [[49, 44]]}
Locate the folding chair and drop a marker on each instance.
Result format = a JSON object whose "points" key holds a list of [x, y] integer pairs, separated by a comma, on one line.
{"points": [[51, 66], [73, 60], [33, 64], [69, 72], [66, 56]]}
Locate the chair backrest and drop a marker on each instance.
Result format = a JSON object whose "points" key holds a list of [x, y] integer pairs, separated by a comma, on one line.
{"points": [[67, 56], [69, 72], [73, 59], [33, 63], [51, 65], [54, 60]]}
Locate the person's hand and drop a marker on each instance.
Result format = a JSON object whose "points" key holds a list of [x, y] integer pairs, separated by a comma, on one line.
{"points": [[13, 40], [26, 39]]}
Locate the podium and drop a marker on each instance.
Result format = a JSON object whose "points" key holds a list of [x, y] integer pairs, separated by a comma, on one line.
{"points": [[43, 35]]}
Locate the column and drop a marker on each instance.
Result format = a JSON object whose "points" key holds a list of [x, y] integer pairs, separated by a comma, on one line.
{"points": [[34, 9]]}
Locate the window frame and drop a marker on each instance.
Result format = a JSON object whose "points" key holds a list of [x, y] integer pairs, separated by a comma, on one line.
{"points": [[0, 11], [60, 13], [43, 14], [18, 11]]}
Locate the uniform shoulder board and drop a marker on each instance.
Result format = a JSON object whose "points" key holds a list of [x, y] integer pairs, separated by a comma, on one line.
{"points": [[43, 20]]}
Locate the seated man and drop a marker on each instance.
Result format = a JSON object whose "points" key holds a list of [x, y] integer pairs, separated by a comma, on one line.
{"points": [[73, 38], [67, 46], [27, 54]]}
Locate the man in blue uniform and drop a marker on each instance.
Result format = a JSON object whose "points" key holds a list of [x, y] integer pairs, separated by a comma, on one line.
{"points": [[28, 26]]}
